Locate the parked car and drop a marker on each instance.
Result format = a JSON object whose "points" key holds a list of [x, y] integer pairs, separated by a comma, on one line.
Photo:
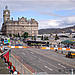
{"points": [[70, 54]]}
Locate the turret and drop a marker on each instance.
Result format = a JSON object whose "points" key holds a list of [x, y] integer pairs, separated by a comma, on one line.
{"points": [[6, 15]]}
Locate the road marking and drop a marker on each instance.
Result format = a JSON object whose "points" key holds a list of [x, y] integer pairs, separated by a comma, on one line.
{"points": [[55, 59], [32, 52], [52, 65], [48, 63], [22, 65], [39, 58], [61, 65], [48, 68], [23, 53]]}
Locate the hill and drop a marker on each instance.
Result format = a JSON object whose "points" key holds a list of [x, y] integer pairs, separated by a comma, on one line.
{"points": [[57, 30]]}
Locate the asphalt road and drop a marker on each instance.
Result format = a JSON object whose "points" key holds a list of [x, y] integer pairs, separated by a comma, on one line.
{"points": [[46, 60]]}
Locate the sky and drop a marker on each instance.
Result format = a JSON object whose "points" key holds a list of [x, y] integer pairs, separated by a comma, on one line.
{"points": [[48, 13]]}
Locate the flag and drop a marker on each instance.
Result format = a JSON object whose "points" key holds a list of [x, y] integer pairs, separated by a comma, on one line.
{"points": [[6, 56]]}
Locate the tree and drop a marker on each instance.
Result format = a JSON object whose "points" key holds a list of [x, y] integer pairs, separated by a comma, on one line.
{"points": [[56, 37], [25, 35], [10, 35], [42, 37], [46, 38], [32, 37], [50, 35], [18, 35], [14, 35], [22, 35]]}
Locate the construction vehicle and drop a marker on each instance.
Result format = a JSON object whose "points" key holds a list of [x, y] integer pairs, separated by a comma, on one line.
{"points": [[70, 54]]}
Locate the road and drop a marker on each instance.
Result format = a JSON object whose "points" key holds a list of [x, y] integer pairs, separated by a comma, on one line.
{"points": [[45, 60]]}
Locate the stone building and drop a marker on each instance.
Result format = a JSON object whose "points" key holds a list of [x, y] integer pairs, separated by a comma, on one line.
{"points": [[20, 26]]}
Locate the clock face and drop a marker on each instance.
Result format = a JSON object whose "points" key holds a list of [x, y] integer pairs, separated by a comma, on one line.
{"points": [[6, 12]]}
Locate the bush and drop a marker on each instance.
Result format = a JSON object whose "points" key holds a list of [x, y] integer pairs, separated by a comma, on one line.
{"points": [[10, 35], [56, 37]]}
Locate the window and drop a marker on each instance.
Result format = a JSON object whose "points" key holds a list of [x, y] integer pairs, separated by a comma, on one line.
{"points": [[29, 28]]}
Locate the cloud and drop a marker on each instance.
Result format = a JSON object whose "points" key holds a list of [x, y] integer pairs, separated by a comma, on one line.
{"points": [[43, 7], [49, 23], [57, 23], [49, 14], [0, 19], [39, 4], [69, 20]]}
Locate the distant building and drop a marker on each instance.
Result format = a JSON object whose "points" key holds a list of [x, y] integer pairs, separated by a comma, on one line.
{"points": [[20, 26]]}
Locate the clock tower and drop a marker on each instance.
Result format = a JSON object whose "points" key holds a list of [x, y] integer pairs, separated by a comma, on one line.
{"points": [[6, 15]]}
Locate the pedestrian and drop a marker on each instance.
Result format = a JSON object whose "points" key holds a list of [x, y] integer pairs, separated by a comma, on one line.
{"points": [[15, 72], [11, 71]]}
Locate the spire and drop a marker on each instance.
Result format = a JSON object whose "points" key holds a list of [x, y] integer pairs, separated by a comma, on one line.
{"points": [[6, 7]]}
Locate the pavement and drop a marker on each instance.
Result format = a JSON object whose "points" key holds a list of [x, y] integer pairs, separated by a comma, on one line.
{"points": [[46, 61], [16, 61], [3, 68]]}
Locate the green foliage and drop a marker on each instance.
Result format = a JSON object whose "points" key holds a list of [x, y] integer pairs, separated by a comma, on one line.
{"points": [[10, 35], [50, 35], [46, 38], [56, 37], [29, 36], [18, 35], [14, 35], [32, 37], [39, 36], [25, 35], [42, 37], [22, 36]]}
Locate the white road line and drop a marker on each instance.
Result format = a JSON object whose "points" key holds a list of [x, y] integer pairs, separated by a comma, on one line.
{"points": [[61, 65], [32, 52], [53, 65], [48, 68], [23, 53]]}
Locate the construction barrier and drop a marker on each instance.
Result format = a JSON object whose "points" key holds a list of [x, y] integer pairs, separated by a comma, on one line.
{"points": [[58, 48], [43, 47], [51, 48], [17, 46]]}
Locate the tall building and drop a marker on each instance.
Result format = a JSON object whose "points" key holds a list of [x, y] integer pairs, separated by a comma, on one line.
{"points": [[20, 26]]}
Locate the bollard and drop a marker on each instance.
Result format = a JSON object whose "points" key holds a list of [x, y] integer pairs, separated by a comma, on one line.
{"points": [[71, 71]]}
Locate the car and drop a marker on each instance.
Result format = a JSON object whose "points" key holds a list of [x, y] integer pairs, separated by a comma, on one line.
{"points": [[70, 54]]}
